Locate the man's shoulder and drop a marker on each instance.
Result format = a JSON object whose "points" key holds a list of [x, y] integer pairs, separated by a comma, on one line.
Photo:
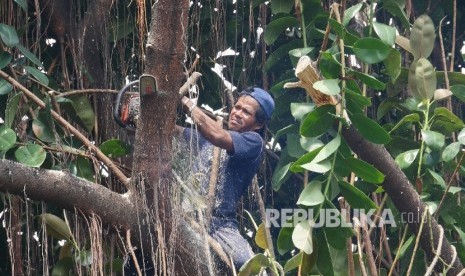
{"points": [[247, 145]]}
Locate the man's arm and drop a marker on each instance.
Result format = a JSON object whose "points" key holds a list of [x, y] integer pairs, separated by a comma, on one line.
{"points": [[208, 127]]}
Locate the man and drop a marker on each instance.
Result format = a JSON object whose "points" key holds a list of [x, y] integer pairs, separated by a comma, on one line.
{"points": [[242, 148]]}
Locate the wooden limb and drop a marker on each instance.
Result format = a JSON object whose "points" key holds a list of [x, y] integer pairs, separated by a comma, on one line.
{"points": [[190, 81], [396, 184], [62, 121]]}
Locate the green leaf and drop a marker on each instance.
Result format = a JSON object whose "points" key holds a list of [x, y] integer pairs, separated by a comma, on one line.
{"points": [[83, 108], [371, 50], [280, 55], [318, 121], [281, 6], [254, 265], [451, 151], [114, 148], [445, 121], [285, 130], [305, 159], [437, 178], [277, 27], [37, 74], [280, 176], [43, 131], [356, 198], [459, 91], [310, 143], [369, 80], [320, 162], [350, 13], [284, 242], [11, 108], [309, 261], [31, 155], [410, 118], [386, 33], [422, 37], [328, 87], [56, 227], [324, 261], [336, 27], [405, 246], [84, 258], [311, 195], [5, 87], [5, 59], [260, 237], [29, 55], [294, 149], [433, 139], [339, 234], [461, 137], [393, 8], [64, 267], [8, 35], [425, 79], [7, 138], [66, 250], [298, 110], [297, 53], [114, 266], [302, 236], [22, 4], [370, 129], [329, 66], [318, 167], [405, 159], [393, 64], [328, 150], [84, 168], [364, 170], [293, 262]]}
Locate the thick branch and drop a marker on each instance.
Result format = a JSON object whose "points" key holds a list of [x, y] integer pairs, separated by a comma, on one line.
{"points": [[404, 197], [396, 184], [67, 191], [120, 210], [62, 121]]}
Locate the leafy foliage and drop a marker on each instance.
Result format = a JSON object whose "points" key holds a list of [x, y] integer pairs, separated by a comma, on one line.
{"points": [[387, 83]]}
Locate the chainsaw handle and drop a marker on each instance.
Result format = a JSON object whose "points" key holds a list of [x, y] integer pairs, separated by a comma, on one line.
{"points": [[117, 108]]}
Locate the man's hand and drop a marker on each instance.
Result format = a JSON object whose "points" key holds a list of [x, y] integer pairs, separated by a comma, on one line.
{"points": [[187, 105]]}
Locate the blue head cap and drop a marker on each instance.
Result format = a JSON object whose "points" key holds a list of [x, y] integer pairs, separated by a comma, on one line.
{"points": [[263, 98]]}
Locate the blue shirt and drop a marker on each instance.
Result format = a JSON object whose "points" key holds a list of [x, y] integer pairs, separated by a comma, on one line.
{"points": [[236, 170]]}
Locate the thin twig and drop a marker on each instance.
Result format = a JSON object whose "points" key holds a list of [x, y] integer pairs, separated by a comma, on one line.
{"points": [[396, 258], [100, 155], [131, 251], [368, 246], [437, 253], [436, 212], [350, 256], [454, 27], [359, 244], [261, 205], [417, 242], [83, 91]]}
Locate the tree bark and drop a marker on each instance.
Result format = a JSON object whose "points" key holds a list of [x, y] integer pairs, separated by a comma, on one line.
{"points": [[396, 184], [181, 248], [67, 191], [404, 197]]}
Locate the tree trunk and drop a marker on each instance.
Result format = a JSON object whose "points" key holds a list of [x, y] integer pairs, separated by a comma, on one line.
{"points": [[179, 248]]}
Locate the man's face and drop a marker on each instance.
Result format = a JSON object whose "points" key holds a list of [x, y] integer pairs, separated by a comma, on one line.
{"points": [[242, 116]]}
